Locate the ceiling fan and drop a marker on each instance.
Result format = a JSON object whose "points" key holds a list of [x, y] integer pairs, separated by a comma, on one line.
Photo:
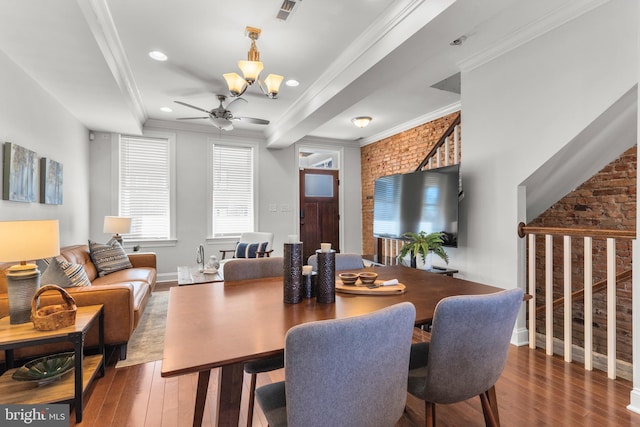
{"points": [[222, 116]]}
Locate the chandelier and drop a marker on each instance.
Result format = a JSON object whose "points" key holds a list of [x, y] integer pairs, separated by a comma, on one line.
{"points": [[251, 69]]}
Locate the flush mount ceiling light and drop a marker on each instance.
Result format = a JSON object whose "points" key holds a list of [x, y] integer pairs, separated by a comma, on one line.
{"points": [[251, 69], [362, 121]]}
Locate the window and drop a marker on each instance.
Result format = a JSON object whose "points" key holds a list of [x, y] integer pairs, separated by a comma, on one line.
{"points": [[233, 190], [145, 185]]}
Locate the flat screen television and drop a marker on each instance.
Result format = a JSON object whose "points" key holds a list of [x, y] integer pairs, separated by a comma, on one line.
{"points": [[419, 201]]}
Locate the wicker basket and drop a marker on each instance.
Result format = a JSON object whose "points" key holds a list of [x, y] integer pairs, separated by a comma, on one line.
{"points": [[56, 316]]}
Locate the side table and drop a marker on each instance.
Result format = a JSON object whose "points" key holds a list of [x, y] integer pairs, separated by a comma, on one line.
{"points": [[193, 275], [71, 387]]}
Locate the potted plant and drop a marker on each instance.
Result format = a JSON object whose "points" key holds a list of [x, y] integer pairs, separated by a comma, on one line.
{"points": [[423, 244]]}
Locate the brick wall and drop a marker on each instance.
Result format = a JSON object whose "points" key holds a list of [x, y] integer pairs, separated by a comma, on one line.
{"points": [[607, 200], [399, 153]]}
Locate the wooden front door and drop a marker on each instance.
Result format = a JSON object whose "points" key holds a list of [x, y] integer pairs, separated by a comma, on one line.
{"points": [[319, 210]]}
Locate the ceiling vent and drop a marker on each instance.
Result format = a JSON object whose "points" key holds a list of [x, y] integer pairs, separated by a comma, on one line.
{"points": [[286, 9]]}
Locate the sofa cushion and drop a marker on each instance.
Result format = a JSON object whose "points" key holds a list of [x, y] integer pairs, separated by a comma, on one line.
{"points": [[109, 257], [249, 250], [64, 274], [139, 274]]}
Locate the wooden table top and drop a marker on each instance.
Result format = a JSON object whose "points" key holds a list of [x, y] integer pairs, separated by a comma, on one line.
{"points": [[218, 324]]}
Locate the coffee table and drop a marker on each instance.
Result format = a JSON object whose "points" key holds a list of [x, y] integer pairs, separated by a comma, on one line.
{"points": [[224, 325], [193, 276], [69, 388]]}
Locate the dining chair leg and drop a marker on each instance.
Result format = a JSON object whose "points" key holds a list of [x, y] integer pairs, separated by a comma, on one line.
{"points": [[252, 399], [493, 401], [429, 414], [489, 417]]}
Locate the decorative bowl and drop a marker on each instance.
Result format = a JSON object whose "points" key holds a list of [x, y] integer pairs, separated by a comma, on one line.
{"points": [[368, 277], [45, 369], [348, 278]]}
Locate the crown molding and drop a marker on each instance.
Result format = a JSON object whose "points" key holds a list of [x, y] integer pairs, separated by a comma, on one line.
{"points": [[101, 25], [552, 20], [432, 115]]}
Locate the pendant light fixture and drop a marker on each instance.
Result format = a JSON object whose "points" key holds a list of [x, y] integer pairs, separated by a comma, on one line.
{"points": [[251, 69]]}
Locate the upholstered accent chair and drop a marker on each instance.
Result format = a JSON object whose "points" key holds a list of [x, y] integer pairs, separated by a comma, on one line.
{"points": [[467, 353], [245, 269], [343, 262], [255, 244], [348, 372]]}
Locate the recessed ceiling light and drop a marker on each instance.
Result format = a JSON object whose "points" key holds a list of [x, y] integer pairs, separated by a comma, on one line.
{"points": [[166, 109], [292, 83], [157, 55]]}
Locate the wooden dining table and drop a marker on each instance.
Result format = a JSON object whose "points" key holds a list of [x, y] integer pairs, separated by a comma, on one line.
{"points": [[224, 325]]}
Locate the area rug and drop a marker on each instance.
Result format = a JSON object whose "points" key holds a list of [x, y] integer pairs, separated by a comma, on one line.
{"points": [[147, 341]]}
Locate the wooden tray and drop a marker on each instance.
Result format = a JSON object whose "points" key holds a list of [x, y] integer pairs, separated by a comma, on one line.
{"points": [[361, 289]]}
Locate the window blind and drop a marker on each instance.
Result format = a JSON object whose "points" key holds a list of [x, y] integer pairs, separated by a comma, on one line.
{"points": [[233, 190], [144, 187]]}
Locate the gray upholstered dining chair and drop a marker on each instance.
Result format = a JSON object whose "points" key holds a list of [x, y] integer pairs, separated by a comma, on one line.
{"points": [[343, 262], [467, 353], [255, 268], [348, 372]]}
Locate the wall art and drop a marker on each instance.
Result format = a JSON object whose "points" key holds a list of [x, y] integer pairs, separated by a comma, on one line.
{"points": [[50, 182], [20, 174]]}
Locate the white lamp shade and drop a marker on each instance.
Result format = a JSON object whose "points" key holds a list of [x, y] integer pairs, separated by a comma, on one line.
{"points": [[273, 82], [117, 224], [29, 240], [250, 70], [236, 84]]}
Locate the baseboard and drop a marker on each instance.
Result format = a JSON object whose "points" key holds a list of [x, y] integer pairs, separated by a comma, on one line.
{"points": [[520, 337], [634, 405]]}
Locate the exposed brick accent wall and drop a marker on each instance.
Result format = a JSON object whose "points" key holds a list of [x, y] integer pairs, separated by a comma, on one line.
{"points": [[399, 153], [607, 200]]}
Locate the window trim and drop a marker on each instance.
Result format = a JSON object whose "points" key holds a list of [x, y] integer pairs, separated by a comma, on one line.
{"points": [[115, 184], [256, 186]]}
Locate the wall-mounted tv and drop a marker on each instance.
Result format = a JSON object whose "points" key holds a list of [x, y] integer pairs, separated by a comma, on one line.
{"points": [[420, 201]]}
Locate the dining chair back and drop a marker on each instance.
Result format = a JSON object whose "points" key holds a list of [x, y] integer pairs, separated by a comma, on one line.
{"points": [[343, 262], [467, 353], [252, 268], [344, 372]]}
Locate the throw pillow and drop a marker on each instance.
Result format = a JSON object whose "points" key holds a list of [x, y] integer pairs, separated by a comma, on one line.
{"points": [[64, 274], [249, 250], [108, 258]]}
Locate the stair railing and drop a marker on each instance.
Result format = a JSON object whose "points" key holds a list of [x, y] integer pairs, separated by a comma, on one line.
{"points": [[611, 235]]}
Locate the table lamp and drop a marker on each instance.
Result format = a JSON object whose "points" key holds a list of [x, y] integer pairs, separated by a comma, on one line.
{"points": [[117, 225], [26, 241]]}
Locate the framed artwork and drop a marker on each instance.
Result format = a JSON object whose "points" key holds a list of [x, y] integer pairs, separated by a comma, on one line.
{"points": [[50, 182], [20, 174]]}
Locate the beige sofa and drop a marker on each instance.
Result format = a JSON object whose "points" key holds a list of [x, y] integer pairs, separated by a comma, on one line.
{"points": [[124, 294]]}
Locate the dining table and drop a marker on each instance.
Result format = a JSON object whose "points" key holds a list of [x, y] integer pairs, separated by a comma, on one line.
{"points": [[223, 325]]}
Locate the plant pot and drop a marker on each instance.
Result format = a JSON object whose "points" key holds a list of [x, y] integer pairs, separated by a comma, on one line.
{"points": [[426, 264]]}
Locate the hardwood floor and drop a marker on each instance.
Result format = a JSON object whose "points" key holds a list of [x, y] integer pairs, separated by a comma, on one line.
{"points": [[534, 390]]}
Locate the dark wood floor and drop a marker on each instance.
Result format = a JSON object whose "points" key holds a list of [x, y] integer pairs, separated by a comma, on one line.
{"points": [[534, 390]]}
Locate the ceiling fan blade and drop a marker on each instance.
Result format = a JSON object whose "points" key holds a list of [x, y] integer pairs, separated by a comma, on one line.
{"points": [[191, 118], [252, 120], [191, 106]]}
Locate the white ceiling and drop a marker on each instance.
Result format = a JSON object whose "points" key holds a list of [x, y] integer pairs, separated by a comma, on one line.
{"points": [[358, 57]]}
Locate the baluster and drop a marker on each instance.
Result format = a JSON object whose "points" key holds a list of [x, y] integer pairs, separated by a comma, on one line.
{"points": [[611, 308], [588, 304], [446, 151], [548, 297], [456, 144], [532, 290], [568, 306]]}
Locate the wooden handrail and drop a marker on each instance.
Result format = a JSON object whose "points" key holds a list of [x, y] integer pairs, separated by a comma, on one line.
{"points": [[524, 229], [599, 286], [440, 142]]}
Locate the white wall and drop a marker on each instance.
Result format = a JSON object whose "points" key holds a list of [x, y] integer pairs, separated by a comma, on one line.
{"points": [[277, 184], [31, 118], [519, 110]]}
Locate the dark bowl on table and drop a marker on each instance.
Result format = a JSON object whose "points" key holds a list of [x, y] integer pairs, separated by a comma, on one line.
{"points": [[348, 278], [368, 277]]}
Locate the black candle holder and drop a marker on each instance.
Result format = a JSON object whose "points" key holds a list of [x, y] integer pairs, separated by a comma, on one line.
{"points": [[309, 284], [326, 292], [292, 274]]}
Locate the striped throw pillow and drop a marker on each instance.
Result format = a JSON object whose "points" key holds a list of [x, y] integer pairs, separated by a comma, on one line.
{"points": [[249, 250], [108, 258], [64, 274]]}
